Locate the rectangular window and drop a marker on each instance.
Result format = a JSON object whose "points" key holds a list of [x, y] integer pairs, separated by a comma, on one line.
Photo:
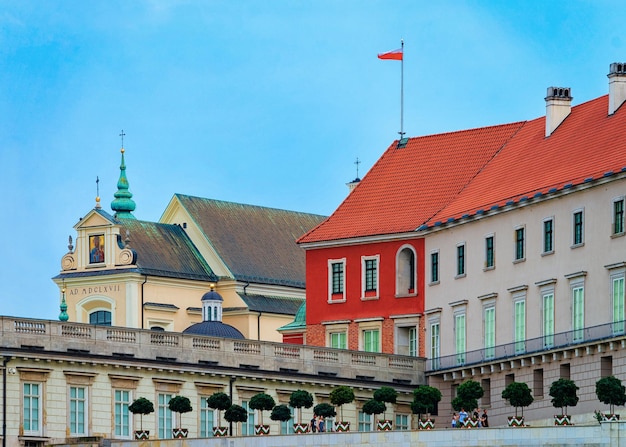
{"points": [[434, 267], [365, 421], [402, 422], [32, 408], [519, 244], [618, 216], [371, 277], [489, 254], [520, 326], [77, 410], [578, 232], [207, 418], [490, 332], [606, 366], [247, 428], [337, 281], [548, 236], [485, 401], [538, 383], [460, 260], [578, 313], [413, 341], [121, 415], [434, 345], [548, 320], [371, 340], [618, 305], [338, 340], [459, 337], [164, 415]]}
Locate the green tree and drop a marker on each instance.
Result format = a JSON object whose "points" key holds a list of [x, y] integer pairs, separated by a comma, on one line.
{"points": [[301, 399], [280, 413], [180, 405], [611, 391], [518, 394], [425, 398], [220, 402], [374, 406], [563, 393], [236, 413], [262, 402], [385, 394], [467, 395], [325, 410], [341, 395], [141, 406]]}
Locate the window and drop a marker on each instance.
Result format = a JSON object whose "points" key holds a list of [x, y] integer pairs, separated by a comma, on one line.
{"points": [[548, 236], [365, 421], [489, 253], [538, 383], [459, 337], [32, 405], [578, 313], [338, 340], [490, 332], [286, 427], [485, 401], [413, 341], [371, 340], [606, 366], [460, 260], [164, 415], [247, 428], [578, 230], [402, 422], [405, 271], [369, 276], [434, 267], [100, 317], [77, 410], [121, 416], [207, 418], [336, 279], [618, 304], [519, 244], [520, 326], [548, 320], [434, 344], [618, 216]]}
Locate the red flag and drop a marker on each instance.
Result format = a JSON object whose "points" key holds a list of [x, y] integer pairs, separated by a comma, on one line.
{"points": [[395, 55]]}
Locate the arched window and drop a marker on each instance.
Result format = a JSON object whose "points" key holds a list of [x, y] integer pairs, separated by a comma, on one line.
{"points": [[100, 317], [405, 272]]}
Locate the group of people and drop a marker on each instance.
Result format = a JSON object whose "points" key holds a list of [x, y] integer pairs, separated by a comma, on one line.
{"points": [[458, 420], [317, 424]]}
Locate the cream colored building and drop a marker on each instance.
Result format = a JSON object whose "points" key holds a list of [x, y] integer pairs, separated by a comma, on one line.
{"points": [[126, 272]]}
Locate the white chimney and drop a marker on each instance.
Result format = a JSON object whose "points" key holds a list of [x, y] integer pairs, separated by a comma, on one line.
{"points": [[558, 106], [617, 86]]}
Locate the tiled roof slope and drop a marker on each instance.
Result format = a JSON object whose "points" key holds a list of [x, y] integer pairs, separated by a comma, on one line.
{"points": [[257, 244], [165, 250], [447, 176], [408, 186]]}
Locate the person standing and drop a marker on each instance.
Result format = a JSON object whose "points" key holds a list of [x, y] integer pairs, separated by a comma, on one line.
{"points": [[485, 419], [321, 425], [313, 424], [462, 417]]}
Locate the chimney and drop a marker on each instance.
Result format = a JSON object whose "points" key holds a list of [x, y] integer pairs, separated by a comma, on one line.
{"points": [[558, 106], [617, 86]]}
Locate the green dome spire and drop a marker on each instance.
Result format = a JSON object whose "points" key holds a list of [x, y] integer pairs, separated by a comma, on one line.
{"points": [[123, 205], [63, 307]]}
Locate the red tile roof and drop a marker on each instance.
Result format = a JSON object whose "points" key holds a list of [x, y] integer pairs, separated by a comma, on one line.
{"points": [[446, 176]]}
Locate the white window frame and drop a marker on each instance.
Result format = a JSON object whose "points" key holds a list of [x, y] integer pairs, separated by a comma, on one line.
{"points": [[370, 326], [489, 330], [618, 304], [78, 410], [35, 416], [519, 323], [376, 291], [516, 230], [165, 418], [460, 336], [122, 418], [207, 418], [332, 298], [577, 293], [434, 337], [366, 421], [615, 218], [547, 317], [400, 272], [434, 268]]}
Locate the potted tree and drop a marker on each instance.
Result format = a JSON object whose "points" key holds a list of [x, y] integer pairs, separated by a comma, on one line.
{"points": [[425, 398], [563, 393], [467, 395], [219, 401], [141, 406], [236, 413], [518, 394], [610, 391], [180, 405], [325, 410], [300, 399], [339, 396], [386, 395], [280, 413], [262, 402], [374, 406]]}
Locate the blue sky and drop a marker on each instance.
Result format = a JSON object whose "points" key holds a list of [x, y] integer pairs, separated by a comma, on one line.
{"points": [[259, 102]]}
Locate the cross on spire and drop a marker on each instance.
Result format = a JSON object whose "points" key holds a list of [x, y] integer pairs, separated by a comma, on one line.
{"points": [[122, 135], [357, 163]]}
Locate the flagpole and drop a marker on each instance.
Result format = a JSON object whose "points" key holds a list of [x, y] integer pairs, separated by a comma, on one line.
{"points": [[402, 92]]}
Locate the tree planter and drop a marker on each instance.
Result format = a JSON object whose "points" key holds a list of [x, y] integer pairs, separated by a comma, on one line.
{"points": [[610, 417], [342, 426], [300, 428], [516, 421], [261, 430], [220, 431], [142, 435], [562, 419], [180, 433], [470, 423], [384, 425], [426, 424]]}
